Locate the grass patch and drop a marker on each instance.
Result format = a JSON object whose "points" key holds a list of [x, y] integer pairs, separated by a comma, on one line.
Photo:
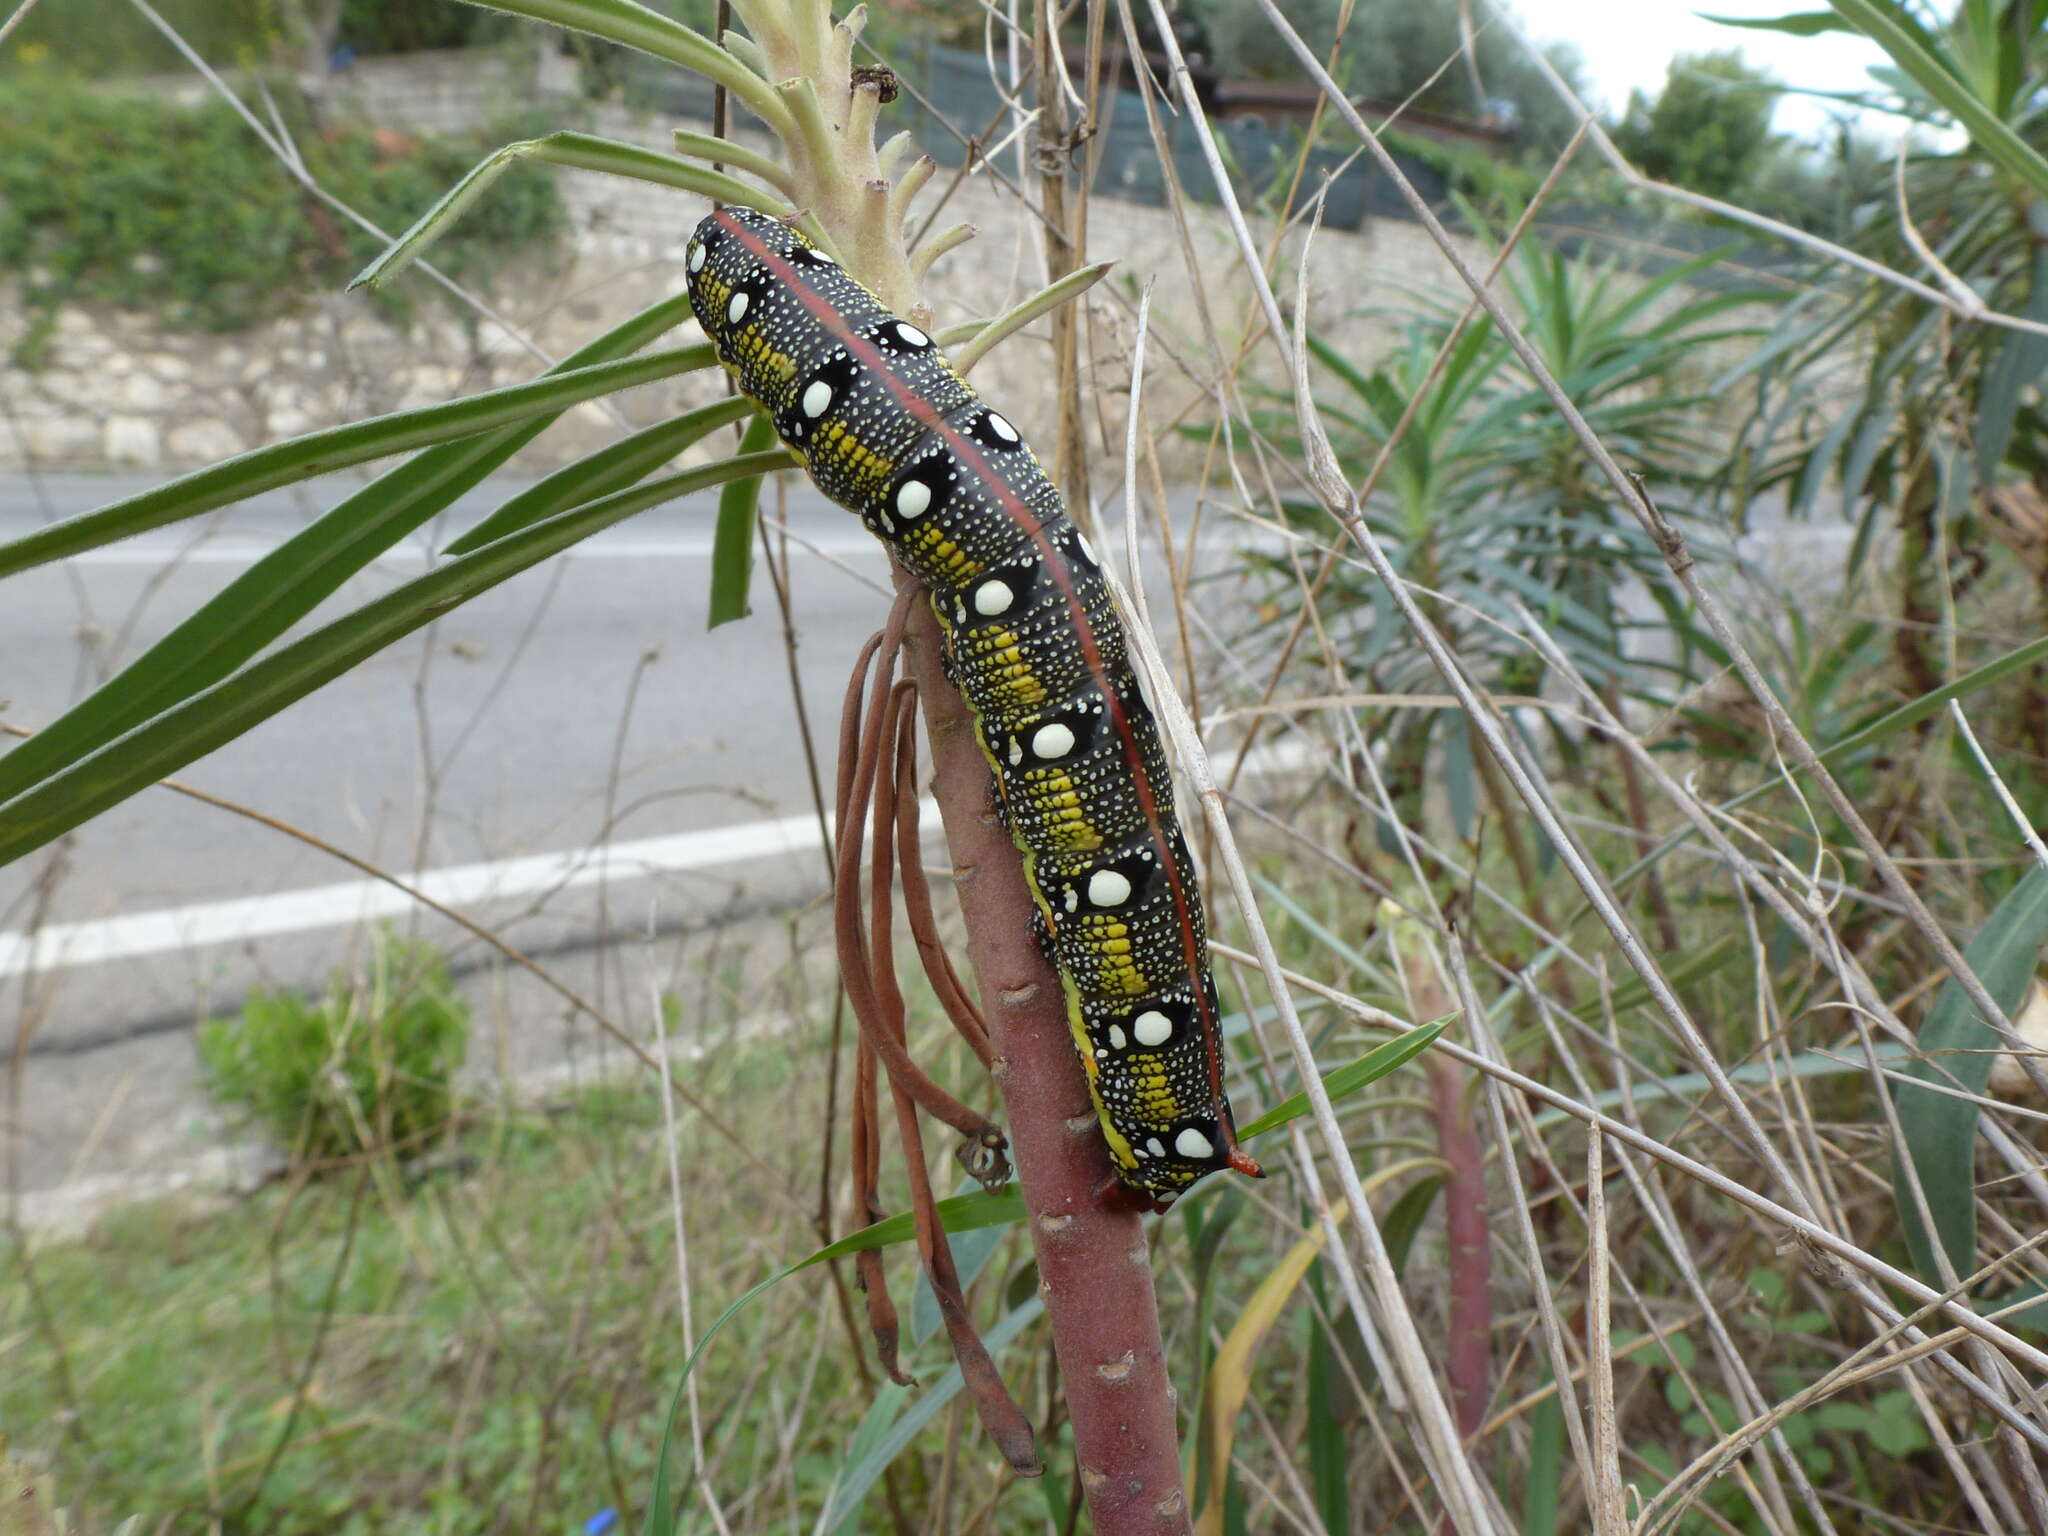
{"points": [[485, 1345]]}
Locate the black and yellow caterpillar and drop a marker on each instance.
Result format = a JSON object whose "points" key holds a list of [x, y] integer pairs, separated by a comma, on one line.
{"points": [[888, 430]]}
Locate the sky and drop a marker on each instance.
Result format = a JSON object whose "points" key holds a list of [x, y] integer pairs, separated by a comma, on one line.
{"points": [[1627, 44]]}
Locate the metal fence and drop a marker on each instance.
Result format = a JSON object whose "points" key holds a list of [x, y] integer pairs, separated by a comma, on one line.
{"points": [[949, 103]]}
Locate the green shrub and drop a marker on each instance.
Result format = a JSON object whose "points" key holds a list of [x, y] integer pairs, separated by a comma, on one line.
{"points": [[126, 199], [371, 1066]]}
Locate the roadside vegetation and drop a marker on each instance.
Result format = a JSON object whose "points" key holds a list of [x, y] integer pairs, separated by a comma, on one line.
{"points": [[135, 200]]}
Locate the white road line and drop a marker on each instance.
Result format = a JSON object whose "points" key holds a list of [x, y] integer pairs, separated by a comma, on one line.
{"points": [[458, 886], [176, 929]]}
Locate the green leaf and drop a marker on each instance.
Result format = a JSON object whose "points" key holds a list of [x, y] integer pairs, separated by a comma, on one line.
{"points": [[320, 453], [962, 1213], [984, 336], [612, 468], [1369, 1068], [1939, 1129], [884, 1432], [1328, 1465], [970, 1256], [635, 26], [578, 151], [1862, 739], [2034, 1316], [1633, 991], [660, 1501], [1546, 1460], [292, 580], [1404, 1218], [1888, 25], [2021, 357], [221, 713], [732, 547], [1798, 23]]}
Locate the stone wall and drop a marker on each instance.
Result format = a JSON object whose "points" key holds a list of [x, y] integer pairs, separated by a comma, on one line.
{"points": [[115, 391]]}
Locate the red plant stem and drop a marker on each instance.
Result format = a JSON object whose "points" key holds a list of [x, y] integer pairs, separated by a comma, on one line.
{"points": [[871, 986], [867, 1264], [1094, 1268], [1467, 1362]]}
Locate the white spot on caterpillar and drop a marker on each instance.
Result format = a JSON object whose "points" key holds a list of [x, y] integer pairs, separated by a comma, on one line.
{"points": [[1002, 429], [1152, 1027], [911, 336], [1073, 899], [736, 307], [1087, 549], [1191, 1143], [817, 399], [1116, 1036], [914, 497], [697, 255], [1108, 888], [992, 598], [1052, 741], [1153, 1143], [1016, 757]]}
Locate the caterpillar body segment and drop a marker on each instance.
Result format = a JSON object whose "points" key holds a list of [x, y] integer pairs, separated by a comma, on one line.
{"points": [[889, 431]]}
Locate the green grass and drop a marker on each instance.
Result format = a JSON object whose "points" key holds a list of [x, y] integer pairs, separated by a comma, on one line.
{"points": [[487, 1347]]}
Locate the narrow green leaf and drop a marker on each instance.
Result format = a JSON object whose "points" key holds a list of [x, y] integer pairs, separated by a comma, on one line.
{"points": [[320, 453], [1886, 24], [703, 146], [732, 546], [1957, 1046], [970, 1256], [660, 1501], [1798, 23], [2021, 357], [1072, 286], [1545, 1465], [1369, 1068], [1633, 991], [1863, 738], [1405, 1216], [611, 468], [882, 1437], [1328, 1466], [292, 580], [961, 1213], [576, 151], [1689, 1085], [635, 26], [2031, 1300], [1889, 725], [221, 713]]}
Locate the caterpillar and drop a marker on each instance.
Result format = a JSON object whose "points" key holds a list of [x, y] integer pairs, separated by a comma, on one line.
{"points": [[888, 430]]}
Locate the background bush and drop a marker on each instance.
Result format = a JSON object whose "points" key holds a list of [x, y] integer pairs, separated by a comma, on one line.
{"points": [[115, 198], [370, 1066]]}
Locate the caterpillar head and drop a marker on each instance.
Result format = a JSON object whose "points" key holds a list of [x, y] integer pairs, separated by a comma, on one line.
{"points": [[739, 262]]}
